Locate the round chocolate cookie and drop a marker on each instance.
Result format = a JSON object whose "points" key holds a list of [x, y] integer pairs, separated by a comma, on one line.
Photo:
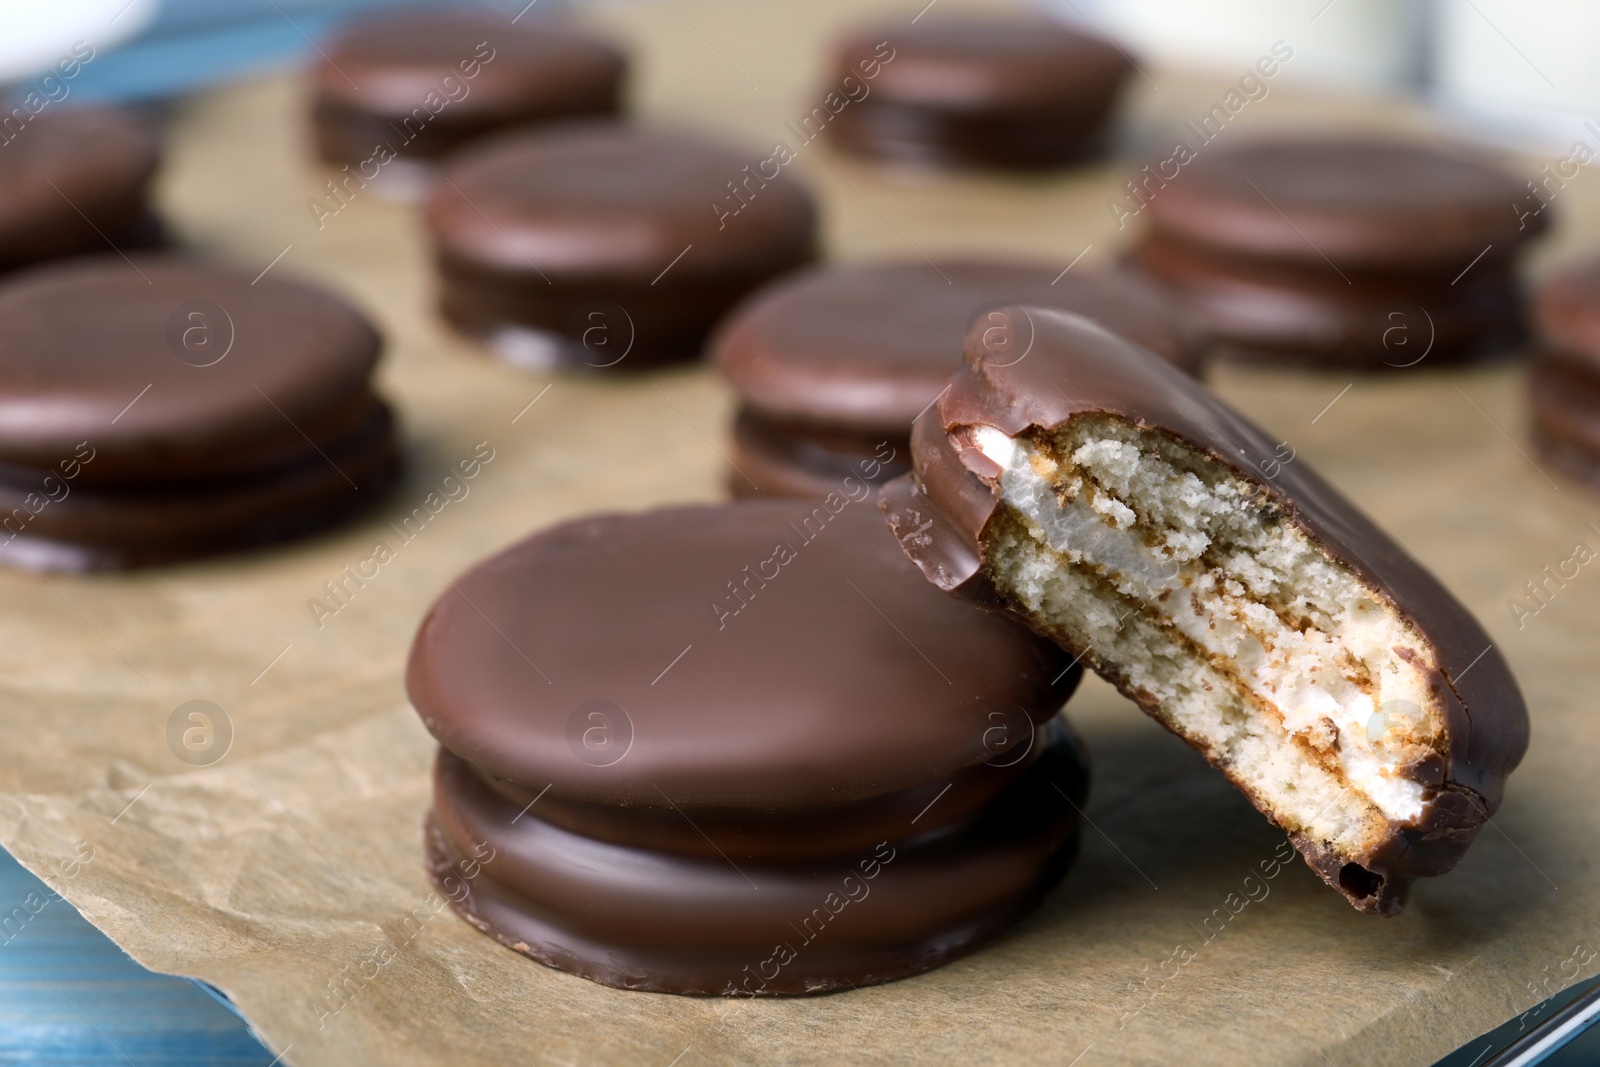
{"points": [[1564, 381], [971, 90], [1343, 250], [396, 89], [669, 736], [164, 410], [597, 246], [75, 181], [832, 365]]}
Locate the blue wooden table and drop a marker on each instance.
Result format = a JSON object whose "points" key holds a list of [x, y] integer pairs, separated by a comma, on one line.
{"points": [[68, 995]]}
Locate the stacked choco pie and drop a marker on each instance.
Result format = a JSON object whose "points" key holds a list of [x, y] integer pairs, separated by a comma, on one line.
{"points": [[972, 90], [76, 181], [397, 90], [154, 411], [600, 245], [1343, 250], [740, 749]]}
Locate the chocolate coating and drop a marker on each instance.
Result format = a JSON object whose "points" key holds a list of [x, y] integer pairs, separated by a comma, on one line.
{"points": [[975, 90], [167, 410], [1344, 249], [1305, 316], [865, 347], [854, 911], [904, 698], [543, 231], [813, 833], [425, 82], [79, 341], [770, 457], [1358, 200], [941, 515], [847, 726], [833, 363], [72, 179], [109, 527]]}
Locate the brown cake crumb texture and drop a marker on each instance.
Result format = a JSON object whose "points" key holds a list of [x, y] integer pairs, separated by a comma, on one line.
{"points": [[1202, 600]]}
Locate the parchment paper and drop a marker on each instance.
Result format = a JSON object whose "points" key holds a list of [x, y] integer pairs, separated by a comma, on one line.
{"points": [[292, 862]]}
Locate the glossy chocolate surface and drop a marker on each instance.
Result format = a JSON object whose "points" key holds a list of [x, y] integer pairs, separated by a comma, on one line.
{"points": [[974, 90], [763, 654], [744, 903], [49, 522], [1353, 199], [941, 513], [641, 227], [865, 347], [69, 178], [829, 774], [156, 410], [1310, 315], [227, 374], [972, 61], [603, 200], [425, 82], [785, 458], [1342, 249]]}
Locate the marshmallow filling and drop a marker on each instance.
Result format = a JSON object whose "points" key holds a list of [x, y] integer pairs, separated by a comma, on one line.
{"points": [[1190, 588]]}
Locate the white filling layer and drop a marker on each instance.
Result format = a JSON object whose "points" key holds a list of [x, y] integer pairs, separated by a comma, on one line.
{"points": [[1116, 508]]}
